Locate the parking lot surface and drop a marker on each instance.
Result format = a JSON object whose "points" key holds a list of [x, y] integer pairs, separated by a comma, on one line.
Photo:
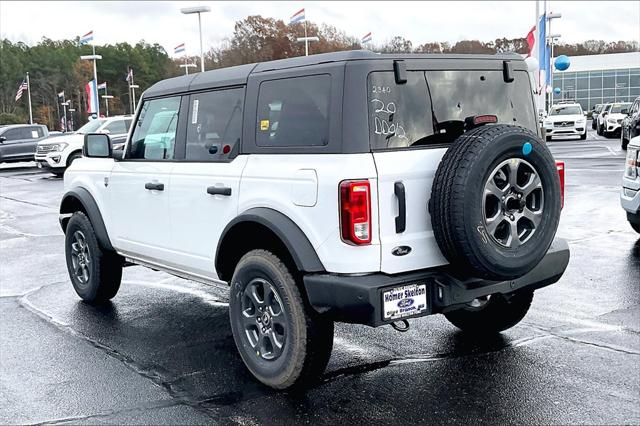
{"points": [[162, 351]]}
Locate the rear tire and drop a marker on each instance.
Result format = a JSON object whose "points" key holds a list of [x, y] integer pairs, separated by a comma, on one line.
{"points": [[95, 273], [499, 313], [623, 142], [281, 339]]}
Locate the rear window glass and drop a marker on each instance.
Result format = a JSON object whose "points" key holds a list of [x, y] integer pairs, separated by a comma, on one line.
{"points": [[399, 114], [432, 106], [294, 112]]}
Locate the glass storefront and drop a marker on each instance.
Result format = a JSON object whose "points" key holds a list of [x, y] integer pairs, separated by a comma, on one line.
{"points": [[596, 87]]}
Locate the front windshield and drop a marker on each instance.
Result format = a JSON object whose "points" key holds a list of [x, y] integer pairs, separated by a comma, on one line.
{"points": [[618, 108], [91, 126], [566, 110]]}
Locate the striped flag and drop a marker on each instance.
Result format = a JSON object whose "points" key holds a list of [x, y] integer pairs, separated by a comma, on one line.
{"points": [[61, 94], [87, 38], [179, 49], [102, 86], [366, 38], [92, 97], [23, 86], [297, 17], [129, 77]]}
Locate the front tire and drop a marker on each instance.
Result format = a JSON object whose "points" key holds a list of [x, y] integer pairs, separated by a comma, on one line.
{"points": [[635, 226], [282, 341], [583, 136], [95, 273], [493, 314]]}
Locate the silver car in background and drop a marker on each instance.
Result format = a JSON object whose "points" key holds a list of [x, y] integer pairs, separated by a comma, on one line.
{"points": [[630, 194]]}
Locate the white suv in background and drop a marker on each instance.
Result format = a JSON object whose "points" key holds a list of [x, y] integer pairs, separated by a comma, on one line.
{"points": [[610, 120], [566, 119], [56, 154]]}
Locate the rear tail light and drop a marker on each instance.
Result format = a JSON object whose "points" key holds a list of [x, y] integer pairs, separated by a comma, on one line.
{"points": [[355, 211], [560, 167]]}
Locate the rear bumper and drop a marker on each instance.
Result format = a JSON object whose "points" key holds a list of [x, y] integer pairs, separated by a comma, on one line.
{"points": [[358, 299]]}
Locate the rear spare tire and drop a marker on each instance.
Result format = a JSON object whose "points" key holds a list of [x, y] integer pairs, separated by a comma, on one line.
{"points": [[495, 202]]}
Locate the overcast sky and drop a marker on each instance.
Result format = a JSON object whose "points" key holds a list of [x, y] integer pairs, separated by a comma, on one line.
{"points": [[162, 22]]}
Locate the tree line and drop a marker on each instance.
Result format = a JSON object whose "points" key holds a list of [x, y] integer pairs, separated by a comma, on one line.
{"points": [[55, 66]]}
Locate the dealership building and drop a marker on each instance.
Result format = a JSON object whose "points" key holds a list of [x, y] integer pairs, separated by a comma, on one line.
{"points": [[597, 79]]}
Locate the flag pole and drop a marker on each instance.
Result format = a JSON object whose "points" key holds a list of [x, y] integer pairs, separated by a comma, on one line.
{"points": [[306, 39], [29, 93], [106, 99]]}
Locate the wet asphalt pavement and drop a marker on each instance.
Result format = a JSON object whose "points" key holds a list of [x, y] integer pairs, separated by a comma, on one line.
{"points": [[162, 351]]}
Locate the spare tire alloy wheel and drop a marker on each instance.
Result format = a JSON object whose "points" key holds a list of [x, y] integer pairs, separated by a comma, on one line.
{"points": [[513, 203], [495, 202]]}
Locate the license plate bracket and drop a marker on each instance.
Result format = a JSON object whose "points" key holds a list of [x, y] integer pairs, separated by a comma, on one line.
{"points": [[404, 301]]}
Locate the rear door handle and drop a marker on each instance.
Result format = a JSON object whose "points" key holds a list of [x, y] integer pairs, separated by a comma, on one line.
{"points": [[219, 190], [154, 186], [401, 219]]}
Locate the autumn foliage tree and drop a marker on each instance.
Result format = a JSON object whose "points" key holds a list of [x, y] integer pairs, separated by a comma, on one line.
{"points": [[55, 66]]}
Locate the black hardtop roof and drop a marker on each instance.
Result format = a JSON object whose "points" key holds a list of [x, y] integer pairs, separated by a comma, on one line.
{"points": [[238, 75]]}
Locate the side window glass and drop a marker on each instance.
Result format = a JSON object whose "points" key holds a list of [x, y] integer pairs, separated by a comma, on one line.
{"points": [[13, 134], [116, 127], [154, 135], [127, 124], [215, 124], [294, 112]]}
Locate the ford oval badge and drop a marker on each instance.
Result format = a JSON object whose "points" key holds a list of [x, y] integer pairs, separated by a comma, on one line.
{"points": [[401, 251], [405, 303]]}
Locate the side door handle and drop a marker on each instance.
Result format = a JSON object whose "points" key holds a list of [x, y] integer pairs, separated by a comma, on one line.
{"points": [[154, 186], [219, 190], [401, 219]]}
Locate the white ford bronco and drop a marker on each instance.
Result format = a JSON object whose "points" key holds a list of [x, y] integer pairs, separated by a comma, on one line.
{"points": [[349, 186]]}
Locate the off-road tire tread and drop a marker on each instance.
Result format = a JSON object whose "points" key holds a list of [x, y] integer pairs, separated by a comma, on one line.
{"points": [[108, 265], [449, 185], [500, 313], [311, 360]]}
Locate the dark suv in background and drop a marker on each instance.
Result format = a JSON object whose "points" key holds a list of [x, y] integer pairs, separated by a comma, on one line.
{"points": [[18, 141], [630, 124]]}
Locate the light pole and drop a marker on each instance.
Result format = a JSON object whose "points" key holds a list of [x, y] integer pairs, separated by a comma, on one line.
{"points": [[71, 111], [198, 10], [106, 102], [552, 39], [306, 41], [133, 88], [551, 16], [94, 57], [64, 111], [186, 67]]}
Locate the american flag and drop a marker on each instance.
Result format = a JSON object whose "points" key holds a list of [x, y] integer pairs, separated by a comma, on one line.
{"points": [[23, 87], [129, 77]]}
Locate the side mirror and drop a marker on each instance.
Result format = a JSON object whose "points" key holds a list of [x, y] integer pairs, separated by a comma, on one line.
{"points": [[2, 139], [97, 145], [585, 113]]}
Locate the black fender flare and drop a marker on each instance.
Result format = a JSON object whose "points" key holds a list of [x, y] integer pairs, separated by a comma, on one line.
{"points": [[293, 238], [69, 205]]}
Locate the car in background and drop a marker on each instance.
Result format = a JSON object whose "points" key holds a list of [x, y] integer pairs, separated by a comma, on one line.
{"points": [[630, 127], [18, 141], [600, 120], [610, 121], [56, 154], [565, 119], [630, 194], [595, 111]]}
